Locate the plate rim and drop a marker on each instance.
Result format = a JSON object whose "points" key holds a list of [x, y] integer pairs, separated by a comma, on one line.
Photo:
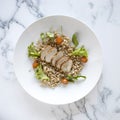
{"points": [[71, 17]]}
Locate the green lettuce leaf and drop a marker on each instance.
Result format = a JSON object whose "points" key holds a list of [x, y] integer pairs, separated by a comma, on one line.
{"points": [[50, 34], [32, 52], [39, 73], [80, 52]]}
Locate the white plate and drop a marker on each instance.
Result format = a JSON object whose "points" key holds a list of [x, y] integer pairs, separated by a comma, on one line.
{"points": [[59, 95]]}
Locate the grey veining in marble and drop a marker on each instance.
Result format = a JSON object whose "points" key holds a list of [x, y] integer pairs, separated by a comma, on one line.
{"points": [[103, 16]]}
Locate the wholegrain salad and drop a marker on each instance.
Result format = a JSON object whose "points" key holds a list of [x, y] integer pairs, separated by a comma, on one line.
{"points": [[57, 59]]}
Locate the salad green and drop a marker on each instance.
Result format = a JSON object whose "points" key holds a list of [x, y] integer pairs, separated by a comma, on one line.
{"points": [[80, 52], [32, 52], [40, 75], [74, 78], [75, 40]]}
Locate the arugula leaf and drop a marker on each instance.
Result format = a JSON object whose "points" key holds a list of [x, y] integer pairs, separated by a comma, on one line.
{"points": [[40, 75], [74, 78], [80, 52], [32, 52], [75, 40]]}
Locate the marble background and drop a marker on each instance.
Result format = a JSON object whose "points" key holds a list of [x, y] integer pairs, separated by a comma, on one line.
{"points": [[103, 16]]}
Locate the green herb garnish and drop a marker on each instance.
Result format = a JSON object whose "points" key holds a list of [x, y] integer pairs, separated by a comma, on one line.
{"points": [[42, 35], [74, 78], [80, 52], [45, 36], [32, 52], [40, 75], [75, 40], [50, 34]]}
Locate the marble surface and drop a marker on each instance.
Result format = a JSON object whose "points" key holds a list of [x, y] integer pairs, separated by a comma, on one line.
{"points": [[103, 16]]}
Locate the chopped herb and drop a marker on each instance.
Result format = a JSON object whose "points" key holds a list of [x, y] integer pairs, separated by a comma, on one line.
{"points": [[40, 75], [75, 40], [32, 52]]}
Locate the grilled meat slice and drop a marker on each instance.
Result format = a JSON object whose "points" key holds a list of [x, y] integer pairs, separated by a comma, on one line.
{"points": [[56, 58], [61, 61], [66, 66], [50, 54], [45, 52]]}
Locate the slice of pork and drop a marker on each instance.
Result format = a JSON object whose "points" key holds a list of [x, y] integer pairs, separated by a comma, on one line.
{"points": [[66, 66], [50, 54], [61, 61], [44, 52], [56, 58]]}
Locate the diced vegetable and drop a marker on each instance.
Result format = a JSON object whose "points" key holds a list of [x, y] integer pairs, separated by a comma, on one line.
{"points": [[80, 52], [32, 52], [59, 40], [75, 40], [84, 59], [40, 75], [64, 81], [35, 64]]}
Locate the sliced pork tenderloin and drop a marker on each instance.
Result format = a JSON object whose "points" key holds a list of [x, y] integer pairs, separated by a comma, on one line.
{"points": [[50, 54], [66, 66], [61, 61], [44, 52], [56, 58]]}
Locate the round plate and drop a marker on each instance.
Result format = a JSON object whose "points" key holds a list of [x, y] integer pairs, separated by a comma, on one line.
{"points": [[65, 94]]}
